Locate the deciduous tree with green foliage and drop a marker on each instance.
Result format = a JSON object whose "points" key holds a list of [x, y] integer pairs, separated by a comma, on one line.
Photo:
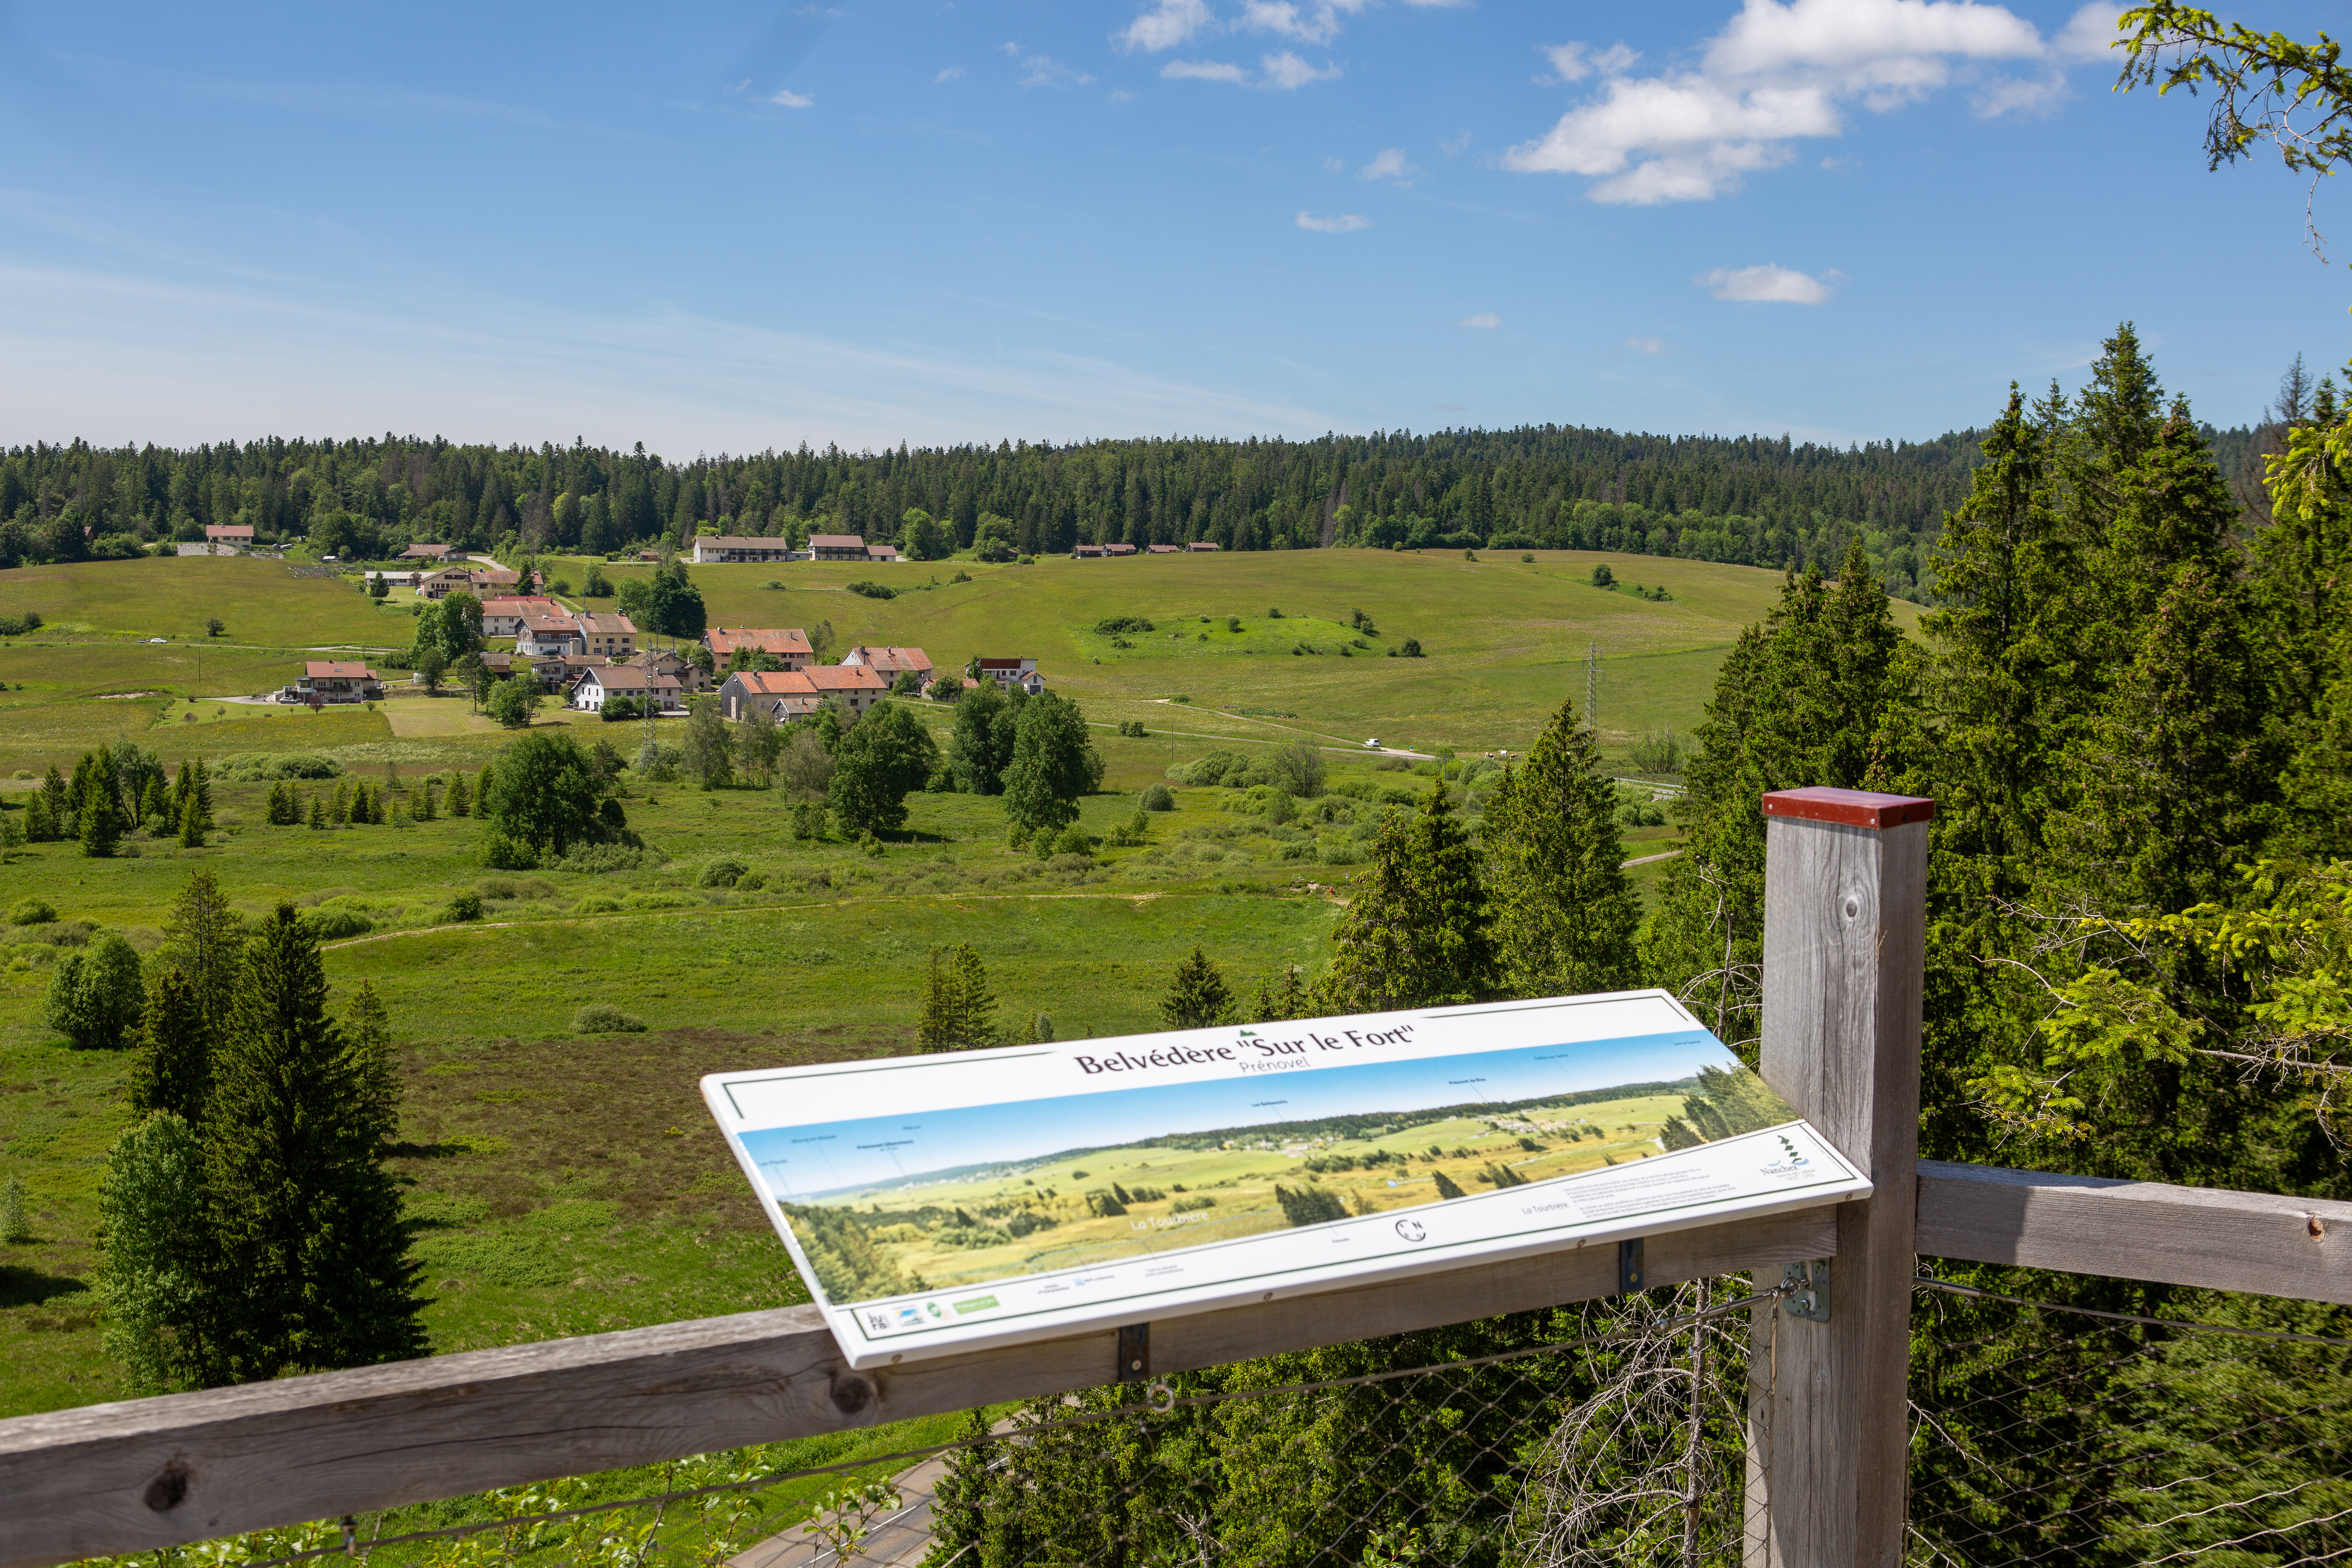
{"points": [[981, 746], [1053, 765], [884, 757], [160, 1285], [542, 794], [94, 997]]}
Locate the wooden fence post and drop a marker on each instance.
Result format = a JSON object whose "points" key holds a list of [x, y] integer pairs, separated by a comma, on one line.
{"points": [[1845, 953]]}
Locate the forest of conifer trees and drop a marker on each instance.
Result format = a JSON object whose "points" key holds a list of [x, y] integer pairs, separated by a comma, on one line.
{"points": [[1748, 501]]}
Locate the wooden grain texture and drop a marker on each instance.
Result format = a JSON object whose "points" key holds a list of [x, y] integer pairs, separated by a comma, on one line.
{"points": [[1844, 949], [107, 1479], [2216, 1240]]}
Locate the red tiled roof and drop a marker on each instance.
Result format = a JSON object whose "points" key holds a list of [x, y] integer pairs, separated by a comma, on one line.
{"points": [[837, 542], [337, 669], [723, 641]]}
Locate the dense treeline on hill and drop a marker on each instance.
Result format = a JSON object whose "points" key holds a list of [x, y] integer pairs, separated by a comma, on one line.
{"points": [[1747, 499]]}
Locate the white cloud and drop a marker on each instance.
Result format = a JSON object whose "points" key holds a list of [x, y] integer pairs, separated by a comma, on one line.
{"points": [[1334, 166], [1485, 320], [1318, 23], [791, 100], [1775, 74], [1347, 223], [1288, 71], [2013, 95], [1165, 25], [1205, 70], [1455, 146], [1574, 62], [1767, 284], [1641, 345], [1391, 164], [2087, 34], [1043, 70], [953, 73]]}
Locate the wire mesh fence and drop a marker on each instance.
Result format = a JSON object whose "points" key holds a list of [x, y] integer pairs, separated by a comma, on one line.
{"points": [[2057, 1432], [1613, 1432]]}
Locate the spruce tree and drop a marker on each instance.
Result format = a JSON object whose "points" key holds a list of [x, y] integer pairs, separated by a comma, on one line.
{"points": [[1821, 693], [375, 1066], [460, 802], [151, 799], [173, 1071], [1564, 910], [101, 816], [1416, 932], [192, 825], [203, 794], [204, 940], [308, 1220], [1279, 1000], [2177, 784], [1198, 997], [959, 1009], [317, 813]]}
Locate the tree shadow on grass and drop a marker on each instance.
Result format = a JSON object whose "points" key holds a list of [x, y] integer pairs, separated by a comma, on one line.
{"points": [[22, 1286]]}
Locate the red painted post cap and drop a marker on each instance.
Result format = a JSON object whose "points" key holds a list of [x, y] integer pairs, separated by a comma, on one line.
{"points": [[1851, 808]]}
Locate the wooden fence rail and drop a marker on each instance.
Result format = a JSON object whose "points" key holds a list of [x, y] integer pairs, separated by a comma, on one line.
{"points": [[1844, 920]]}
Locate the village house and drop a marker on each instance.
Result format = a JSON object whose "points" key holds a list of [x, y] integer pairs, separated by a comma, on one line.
{"points": [[890, 663], [544, 631], [1087, 553], [734, 549], [688, 675], [837, 547], [326, 680], [232, 533], [485, 581], [789, 644], [602, 683], [882, 552], [1119, 550], [857, 686], [428, 553], [561, 672], [503, 617], [1009, 673], [394, 579], [1164, 549], [779, 693], [439, 586], [1202, 547], [609, 633]]}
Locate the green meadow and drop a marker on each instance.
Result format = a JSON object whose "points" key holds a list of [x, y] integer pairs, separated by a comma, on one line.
{"points": [[567, 1183]]}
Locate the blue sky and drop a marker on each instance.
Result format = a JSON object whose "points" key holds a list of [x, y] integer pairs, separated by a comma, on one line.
{"points": [[885, 1148], [724, 226]]}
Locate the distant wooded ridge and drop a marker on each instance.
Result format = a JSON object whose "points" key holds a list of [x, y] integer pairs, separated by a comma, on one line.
{"points": [[1748, 501]]}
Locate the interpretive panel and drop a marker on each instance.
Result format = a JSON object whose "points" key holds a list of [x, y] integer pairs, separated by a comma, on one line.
{"points": [[947, 1202]]}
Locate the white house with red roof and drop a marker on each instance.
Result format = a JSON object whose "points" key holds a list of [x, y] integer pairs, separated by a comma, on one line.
{"points": [[328, 681]]}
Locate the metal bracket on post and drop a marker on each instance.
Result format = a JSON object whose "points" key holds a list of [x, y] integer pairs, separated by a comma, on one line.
{"points": [[1135, 1352], [1631, 1275], [1811, 1298]]}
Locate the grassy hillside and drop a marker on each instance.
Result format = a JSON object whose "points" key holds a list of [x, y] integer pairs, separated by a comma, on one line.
{"points": [[1505, 639], [571, 1182]]}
